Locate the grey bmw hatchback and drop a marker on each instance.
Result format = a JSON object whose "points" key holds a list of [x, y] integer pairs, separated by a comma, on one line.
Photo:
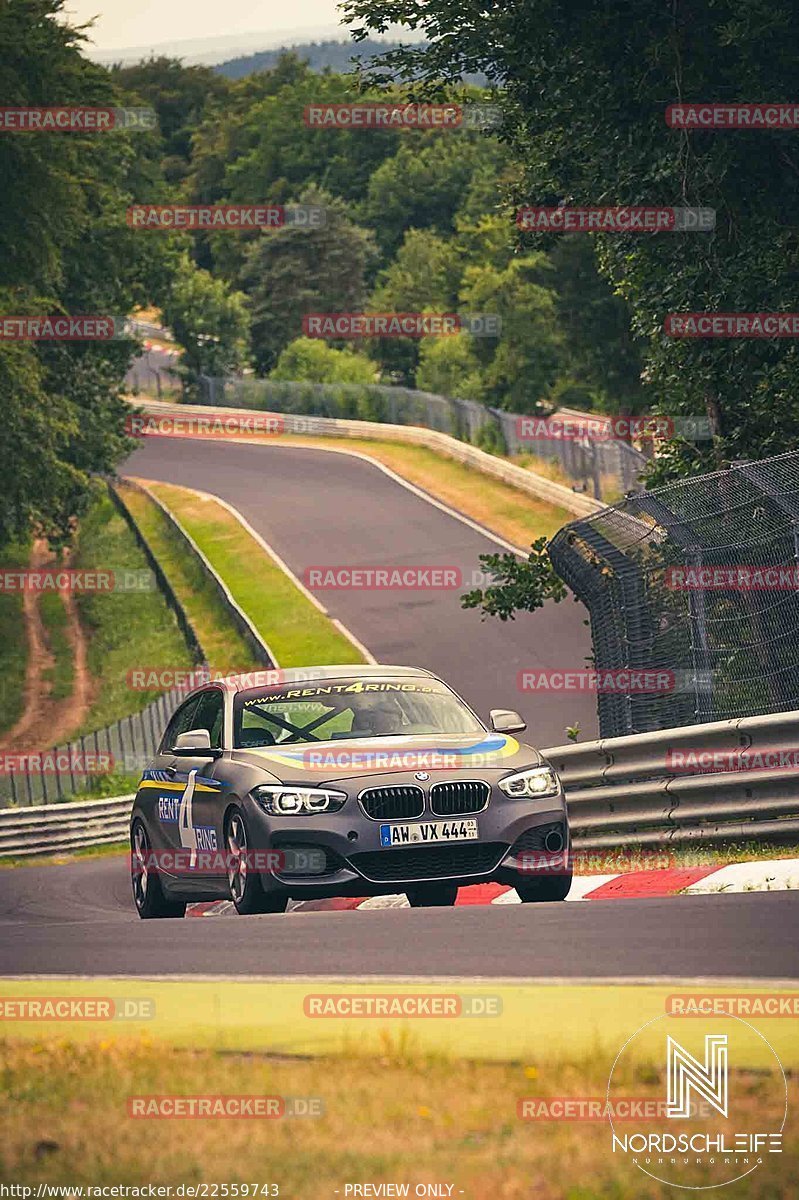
{"points": [[342, 781]]}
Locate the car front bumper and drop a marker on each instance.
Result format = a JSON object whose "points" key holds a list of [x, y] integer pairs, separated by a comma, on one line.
{"points": [[515, 838]]}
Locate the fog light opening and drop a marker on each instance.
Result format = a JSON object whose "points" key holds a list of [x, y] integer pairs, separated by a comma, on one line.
{"points": [[553, 842]]}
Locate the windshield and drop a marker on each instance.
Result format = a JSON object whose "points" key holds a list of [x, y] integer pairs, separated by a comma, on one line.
{"points": [[344, 709]]}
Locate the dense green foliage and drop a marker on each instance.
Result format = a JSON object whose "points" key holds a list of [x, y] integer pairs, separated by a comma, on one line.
{"points": [[66, 248], [585, 86], [416, 220]]}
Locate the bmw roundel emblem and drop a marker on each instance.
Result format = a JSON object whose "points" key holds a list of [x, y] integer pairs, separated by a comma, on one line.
{"points": [[421, 775]]}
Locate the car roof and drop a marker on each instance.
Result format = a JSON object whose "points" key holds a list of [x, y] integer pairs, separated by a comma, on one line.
{"points": [[274, 676]]}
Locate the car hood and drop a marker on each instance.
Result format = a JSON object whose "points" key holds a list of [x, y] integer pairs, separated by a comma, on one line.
{"points": [[339, 761]]}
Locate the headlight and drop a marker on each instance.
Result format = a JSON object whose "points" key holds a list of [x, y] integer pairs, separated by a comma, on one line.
{"points": [[282, 801], [534, 782]]}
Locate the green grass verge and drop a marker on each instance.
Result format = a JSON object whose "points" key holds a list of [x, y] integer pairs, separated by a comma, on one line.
{"points": [[298, 633], [126, 630], [13, 643], [733, 852], [61, 675], [117, 783], [224, 646]]}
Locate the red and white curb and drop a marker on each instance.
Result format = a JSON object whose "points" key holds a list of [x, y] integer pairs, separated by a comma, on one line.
{"points": [[761, 875]]}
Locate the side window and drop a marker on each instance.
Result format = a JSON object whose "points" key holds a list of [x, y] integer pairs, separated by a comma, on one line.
{"points": [[209, 715], [181, 721]]}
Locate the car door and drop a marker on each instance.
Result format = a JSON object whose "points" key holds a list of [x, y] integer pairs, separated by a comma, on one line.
{"points": [[161, 787], [201, 812]]}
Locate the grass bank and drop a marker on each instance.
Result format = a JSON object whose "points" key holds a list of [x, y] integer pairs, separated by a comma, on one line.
{"points": [[61, 675], [298, 633], [224, 646], [13, 642], [127, 630]]}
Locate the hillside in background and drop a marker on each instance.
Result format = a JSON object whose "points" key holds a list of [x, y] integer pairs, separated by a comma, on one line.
{"points": [[335, 55]]}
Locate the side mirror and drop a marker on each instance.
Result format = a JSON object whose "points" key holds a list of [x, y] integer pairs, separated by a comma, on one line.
{"points": [[505, 720], [195, 743]]}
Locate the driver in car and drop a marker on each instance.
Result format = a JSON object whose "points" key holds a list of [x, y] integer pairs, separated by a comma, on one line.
{"points": [[380, 718]]}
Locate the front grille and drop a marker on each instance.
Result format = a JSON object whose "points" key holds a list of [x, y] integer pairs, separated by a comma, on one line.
{"points": [[535, 839], [460, 796], [429, 862], [400, 803]]}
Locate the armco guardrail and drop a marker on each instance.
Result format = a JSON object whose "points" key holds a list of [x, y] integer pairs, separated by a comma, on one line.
{"points": [[620, 791], [260, 649], [488, 464], [637, 790], [59, 828]]}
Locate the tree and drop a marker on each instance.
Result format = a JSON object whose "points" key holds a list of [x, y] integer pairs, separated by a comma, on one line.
{"points": [[586, 86], [297, 270], [179, 94], [64, 248], [257, 146], [423, 277], [41, 488], [518, 586], [519, 367], [602, 352], [449, 366], [209, 321], [310, 361], [425, 183]]}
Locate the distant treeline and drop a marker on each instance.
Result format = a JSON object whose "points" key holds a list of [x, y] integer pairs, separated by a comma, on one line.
{"points": [[329, 55]]}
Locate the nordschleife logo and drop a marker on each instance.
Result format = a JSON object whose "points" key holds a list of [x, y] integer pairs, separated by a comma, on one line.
{"points": [[723, 1101]]}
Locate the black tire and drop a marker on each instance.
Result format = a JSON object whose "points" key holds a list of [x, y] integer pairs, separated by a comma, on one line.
{"points": [[246, 890], [148, 895], [548, 888], [432, 895]]}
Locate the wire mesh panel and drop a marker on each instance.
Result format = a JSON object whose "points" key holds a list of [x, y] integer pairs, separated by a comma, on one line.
{"points": [[697, 580]]}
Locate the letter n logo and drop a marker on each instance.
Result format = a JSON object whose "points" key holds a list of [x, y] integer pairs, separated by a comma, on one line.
{"points": [[708, 1079]]}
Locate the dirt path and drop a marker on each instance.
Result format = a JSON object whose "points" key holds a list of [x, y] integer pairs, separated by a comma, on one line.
{"points": [[45, 722]]}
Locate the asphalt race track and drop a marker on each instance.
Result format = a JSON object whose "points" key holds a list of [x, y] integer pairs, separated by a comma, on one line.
{"points": [[79, 919], [321, 509]]}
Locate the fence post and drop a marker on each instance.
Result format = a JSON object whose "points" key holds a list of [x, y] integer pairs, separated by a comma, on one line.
{"points": [[86, 783], [700, 654], [153, 738]]}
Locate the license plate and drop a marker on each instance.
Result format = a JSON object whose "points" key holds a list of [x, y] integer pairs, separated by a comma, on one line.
{"points": [[426, 832]]}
